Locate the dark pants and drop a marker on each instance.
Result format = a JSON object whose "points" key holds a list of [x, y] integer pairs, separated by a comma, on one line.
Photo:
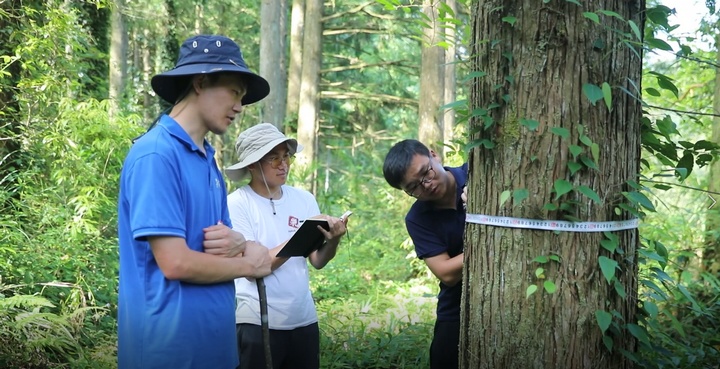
{"points": [[444, 348], [291, 349]]}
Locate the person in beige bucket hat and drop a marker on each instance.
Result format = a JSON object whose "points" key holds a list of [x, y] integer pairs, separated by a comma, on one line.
{"points": [[268, 211]]}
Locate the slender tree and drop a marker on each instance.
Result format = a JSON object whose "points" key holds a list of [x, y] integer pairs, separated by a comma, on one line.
{"points": [[450, 83], [711, 252], [558, 139], [310, 84], [273, 29], [297, 23], [431, 79], [118, 56]]}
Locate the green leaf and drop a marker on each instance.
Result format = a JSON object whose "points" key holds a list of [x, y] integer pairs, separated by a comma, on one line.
{"points": [[475, 74], [574, 167], [588, 162], [550, 207], [639, 332], [635, 29], [611, 13], [542, 259], [504, 196], [608, 341], [595, 150], [539, 273], [562, 187], [639, 199], [654, 43], [603, 319], [608, 245], [519, 195], [607, 266], [652, 92], [575, 150], [592, 16], [587, 191], [586, 140], [549, 286], [510, 20], [574, 2], [562, 132], [620, 289], [531, 124], [607, 95], [650, 308], [686, 162], [555, 257], [592, 92], [530, 290]]}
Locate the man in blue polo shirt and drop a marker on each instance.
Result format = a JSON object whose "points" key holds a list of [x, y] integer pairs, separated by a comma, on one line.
{"points": [[436, 225], [178, 254]]}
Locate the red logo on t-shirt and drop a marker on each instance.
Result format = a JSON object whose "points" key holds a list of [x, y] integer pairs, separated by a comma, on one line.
{"points": [[293, 222]]}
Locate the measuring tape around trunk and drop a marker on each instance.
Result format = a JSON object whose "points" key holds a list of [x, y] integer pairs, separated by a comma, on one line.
{"points": [[552, 225]]}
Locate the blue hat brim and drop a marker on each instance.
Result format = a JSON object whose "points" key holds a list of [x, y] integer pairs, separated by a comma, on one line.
{"points": [[171, 84]]}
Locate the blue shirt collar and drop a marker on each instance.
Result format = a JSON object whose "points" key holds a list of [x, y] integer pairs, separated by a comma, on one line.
{"points": [[177, 131]]}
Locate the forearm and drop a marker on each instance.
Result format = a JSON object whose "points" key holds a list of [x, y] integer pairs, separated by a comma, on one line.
{"points": [[201, 268], [451, 272], [178, 262], [320, 257]]}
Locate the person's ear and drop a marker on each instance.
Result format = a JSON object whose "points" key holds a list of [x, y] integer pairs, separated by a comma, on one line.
{"points": [[198, 83]]}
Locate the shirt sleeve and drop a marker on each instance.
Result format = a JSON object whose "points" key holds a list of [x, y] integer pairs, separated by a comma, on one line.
{"points": [[240, 209], [155, 197]]}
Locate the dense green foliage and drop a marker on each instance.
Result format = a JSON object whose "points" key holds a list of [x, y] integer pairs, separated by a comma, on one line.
{"points": [[58, 246]]}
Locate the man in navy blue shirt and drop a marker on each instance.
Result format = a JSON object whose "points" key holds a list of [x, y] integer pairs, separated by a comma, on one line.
{"points": [[436, 225], [178, 254]]}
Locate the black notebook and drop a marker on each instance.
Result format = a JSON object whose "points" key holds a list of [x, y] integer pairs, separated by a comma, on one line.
{"points": [[306, 239]]}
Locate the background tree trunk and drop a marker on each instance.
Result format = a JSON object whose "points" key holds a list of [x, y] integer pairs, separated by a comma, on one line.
{"points": [[711, 252], [310, 86], [297, 23], [11, 157], [537, 58], [273, 20], [118, 56], [431, 81], [449, 84]]}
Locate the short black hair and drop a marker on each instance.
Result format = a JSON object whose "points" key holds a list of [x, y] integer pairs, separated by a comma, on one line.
{"points": [[399, 158]]}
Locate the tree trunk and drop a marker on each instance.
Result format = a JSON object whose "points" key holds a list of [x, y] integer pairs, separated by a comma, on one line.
{"points": [[12, 160], [297, 24], [450, 84], [118, 57], [272, 60], [309, 87], [711, 252], [537, 57], [431, 81], [147, 71]]}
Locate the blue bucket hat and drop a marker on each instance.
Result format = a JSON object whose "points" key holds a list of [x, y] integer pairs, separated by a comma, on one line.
{"points": [[205, 54]]}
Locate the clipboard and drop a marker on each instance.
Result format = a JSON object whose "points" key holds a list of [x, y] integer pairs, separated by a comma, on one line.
{"points": [[306, 239]]}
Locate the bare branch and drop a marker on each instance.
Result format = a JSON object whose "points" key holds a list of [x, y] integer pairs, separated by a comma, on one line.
{"points": [[346, 95]]}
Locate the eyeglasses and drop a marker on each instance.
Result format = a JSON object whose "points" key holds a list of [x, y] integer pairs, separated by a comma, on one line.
{"points": [[418, 188], [276, 161]]}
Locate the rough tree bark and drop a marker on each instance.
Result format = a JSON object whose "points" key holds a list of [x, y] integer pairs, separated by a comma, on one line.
{"points": [[537, 56]]}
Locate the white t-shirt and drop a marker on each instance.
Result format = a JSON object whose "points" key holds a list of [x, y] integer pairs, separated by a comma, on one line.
{"points": [[290, 302]]}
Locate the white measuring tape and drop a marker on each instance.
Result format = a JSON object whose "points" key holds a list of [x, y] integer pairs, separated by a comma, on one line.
{"points": [[552, 225]]}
